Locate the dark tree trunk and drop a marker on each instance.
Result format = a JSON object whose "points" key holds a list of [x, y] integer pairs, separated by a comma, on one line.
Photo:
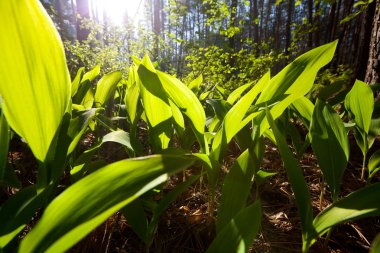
{"points": [[310, 19], [288, 26], [364, 41], [254, 26], [373, 70], [84, 11]]}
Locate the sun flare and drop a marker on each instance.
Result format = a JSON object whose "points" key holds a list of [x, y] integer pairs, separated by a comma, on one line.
{"points": [[118, 11]]}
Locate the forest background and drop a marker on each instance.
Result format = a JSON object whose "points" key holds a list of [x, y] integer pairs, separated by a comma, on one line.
{"points": [[229, 42]]}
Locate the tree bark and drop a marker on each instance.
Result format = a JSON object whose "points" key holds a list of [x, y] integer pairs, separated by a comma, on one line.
{"points": [[373, 69]]}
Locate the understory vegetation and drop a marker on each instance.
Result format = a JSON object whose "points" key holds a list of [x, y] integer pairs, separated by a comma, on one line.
{"points": [[129, 143]]}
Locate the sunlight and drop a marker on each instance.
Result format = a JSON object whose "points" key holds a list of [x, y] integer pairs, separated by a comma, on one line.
{"points": [[118, 10]]}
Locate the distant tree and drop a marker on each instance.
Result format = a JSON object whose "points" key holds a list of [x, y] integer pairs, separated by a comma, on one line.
{"points": [[373, 69], [83, 10]]}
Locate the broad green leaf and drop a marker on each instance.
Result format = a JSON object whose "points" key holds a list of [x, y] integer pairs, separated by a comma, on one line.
{"points": [[179, 121], [236, 188], [360, 103], [375, 247], [359, 204], [134, 212], [91, 75], [90, 201], [120, 137], [77, 81], [299, 186], [374, 163], [330, 144], [238, 234], [78, 126], [236, 94], [234, 117], [296, 79], [156, 105], [35, 82], [185, 99], [204, 95], [195, 85], [131, 101], [304, 108], [106, 87]]}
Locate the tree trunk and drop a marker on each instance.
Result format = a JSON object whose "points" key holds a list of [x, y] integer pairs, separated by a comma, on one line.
{"points": [[310, 19], [233, 22], [362, 55], [84, 11], [373, 70], [288, 26]]}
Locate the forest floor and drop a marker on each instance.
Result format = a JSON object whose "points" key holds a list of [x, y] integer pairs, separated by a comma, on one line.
{"points": [[187, 227]]}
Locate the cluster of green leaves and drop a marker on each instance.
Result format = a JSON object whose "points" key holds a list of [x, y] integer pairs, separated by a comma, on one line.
{"points": [[52, 114], [226, 69]]}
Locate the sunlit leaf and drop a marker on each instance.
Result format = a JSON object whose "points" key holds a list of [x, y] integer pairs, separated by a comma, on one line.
{"points": [[196, 84], [236, 94], [185, 99], [90, 201], [360, 103], [35, 82], [359, 204], [76, 82], [106, 87], [156, 105]]}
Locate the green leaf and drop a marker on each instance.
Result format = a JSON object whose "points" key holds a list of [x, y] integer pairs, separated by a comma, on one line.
{"points": [[235, 119], [91, 75], [196, 84], [78, 127], [375, 247], [106, 87], [304, 108], [330, 144], [90, 201], [299, 186], [77, 81], [374, 164], [35, 82], [236, 188], [296, 79], [131, 101], [359, 204], [360, 103], [186, 101], [238, 234], [236, 94], [120, 137], [156, 105]]}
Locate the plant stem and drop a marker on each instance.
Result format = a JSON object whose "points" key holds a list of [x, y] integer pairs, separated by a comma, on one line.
{"points": [[327, 239], [363, 167]]}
